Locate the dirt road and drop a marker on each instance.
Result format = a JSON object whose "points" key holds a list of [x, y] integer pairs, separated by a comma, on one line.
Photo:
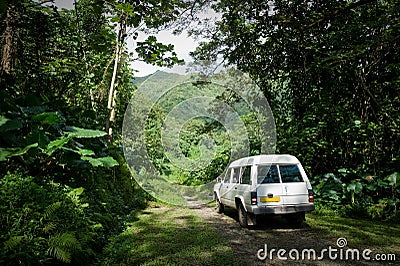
{"points": [[274, 234]]}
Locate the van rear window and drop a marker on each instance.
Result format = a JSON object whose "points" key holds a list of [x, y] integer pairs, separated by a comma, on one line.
{"points": [[267, 174], [290, 174]]}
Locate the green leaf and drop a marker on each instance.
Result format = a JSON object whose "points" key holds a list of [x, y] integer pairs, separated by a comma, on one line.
{"points": [[10, 152], [108, 161], [384, 183], [50, 118], [343, 171], [3, 120], [85, 152], [5, 153], [25, 150], [115, 19], [357, 123], [77, 132], [354, 186], [38, 136], [76, 192], [351, 186], [127, 8], [10, 125], [333, 196], [103, 161], [358, 188], [82, 152], [94, 162], [393, 179], [56, 144]]}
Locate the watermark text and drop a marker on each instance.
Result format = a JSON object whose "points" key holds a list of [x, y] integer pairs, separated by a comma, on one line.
{"points": [[338, 252]]}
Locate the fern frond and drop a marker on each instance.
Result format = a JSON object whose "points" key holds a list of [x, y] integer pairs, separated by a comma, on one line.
{"points": [[62, 246], [51, 209], [60, 254], [49, 227], [12, 242]]}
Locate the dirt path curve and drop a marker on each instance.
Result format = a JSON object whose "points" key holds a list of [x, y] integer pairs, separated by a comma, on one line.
{"points": [[276, 234]]}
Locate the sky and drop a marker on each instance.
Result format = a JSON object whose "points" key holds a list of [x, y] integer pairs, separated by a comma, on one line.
{"points": [[182, 43]]}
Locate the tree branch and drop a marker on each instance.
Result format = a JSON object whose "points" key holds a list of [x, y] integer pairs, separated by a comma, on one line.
{"points": [[338, 11]]}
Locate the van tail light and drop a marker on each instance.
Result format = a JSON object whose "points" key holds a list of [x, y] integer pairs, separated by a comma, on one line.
{"points": [[310, 196], [253, 196]]}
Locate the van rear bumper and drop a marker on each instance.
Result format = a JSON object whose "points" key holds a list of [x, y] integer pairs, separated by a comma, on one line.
{"points": [[282, 209]]}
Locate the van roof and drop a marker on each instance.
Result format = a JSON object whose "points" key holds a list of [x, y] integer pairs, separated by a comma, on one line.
{"points": [[266, 159]]}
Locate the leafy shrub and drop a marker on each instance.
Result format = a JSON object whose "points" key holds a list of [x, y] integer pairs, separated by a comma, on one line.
{"points": [[355, 195], [47, 222], [43, 223]]}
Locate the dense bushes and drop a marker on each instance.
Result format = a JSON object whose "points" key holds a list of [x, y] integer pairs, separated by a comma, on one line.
{"points": [[44, 222], [63, 191], [354, 195], [65, 188]]}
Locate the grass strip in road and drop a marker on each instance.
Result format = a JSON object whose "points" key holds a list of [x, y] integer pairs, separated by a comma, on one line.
{"points": [[169, 236]]}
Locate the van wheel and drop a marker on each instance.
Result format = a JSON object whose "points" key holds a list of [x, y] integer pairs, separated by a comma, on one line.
{"points": [[219, 206], [242, 216]]}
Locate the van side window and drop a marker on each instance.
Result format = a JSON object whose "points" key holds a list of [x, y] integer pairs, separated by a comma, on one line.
{"points": [[246, 171], [267, 174], [236, 175], [290, 173], [227, 176]]}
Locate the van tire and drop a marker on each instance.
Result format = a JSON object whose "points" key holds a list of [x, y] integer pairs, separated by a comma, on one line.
{"points": [[243, 217], [219, 206]]}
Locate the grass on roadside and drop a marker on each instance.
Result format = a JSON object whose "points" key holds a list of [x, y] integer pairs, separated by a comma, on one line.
{"points": [[169, 236], [359, 233]]}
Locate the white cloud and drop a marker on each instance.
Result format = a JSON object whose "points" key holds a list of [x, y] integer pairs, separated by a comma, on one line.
{"points": [[69, 4]]}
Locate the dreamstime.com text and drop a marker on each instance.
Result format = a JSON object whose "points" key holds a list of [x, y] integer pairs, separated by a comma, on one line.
{"points": [[332, 253]]}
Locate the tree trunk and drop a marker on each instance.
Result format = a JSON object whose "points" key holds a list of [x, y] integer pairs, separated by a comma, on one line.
{"points": [[112, 95], [8, 40]]}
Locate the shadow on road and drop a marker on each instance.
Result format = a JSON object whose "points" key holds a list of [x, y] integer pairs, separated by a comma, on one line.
{"points": [[270, 222]]}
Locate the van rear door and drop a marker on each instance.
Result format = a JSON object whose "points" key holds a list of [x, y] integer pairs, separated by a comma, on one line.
{"points": [[295, 189], [269, 187]]}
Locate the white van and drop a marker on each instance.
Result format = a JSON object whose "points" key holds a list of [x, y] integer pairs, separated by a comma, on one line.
{"points": [[265, 184]]}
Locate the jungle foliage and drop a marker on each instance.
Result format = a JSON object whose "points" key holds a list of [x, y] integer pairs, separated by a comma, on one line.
{"points": [[65, 188], [330, 70], [200, 135]]}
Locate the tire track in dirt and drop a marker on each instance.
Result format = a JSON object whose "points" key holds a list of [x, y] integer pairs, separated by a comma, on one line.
{"points": [[275, 233]]}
